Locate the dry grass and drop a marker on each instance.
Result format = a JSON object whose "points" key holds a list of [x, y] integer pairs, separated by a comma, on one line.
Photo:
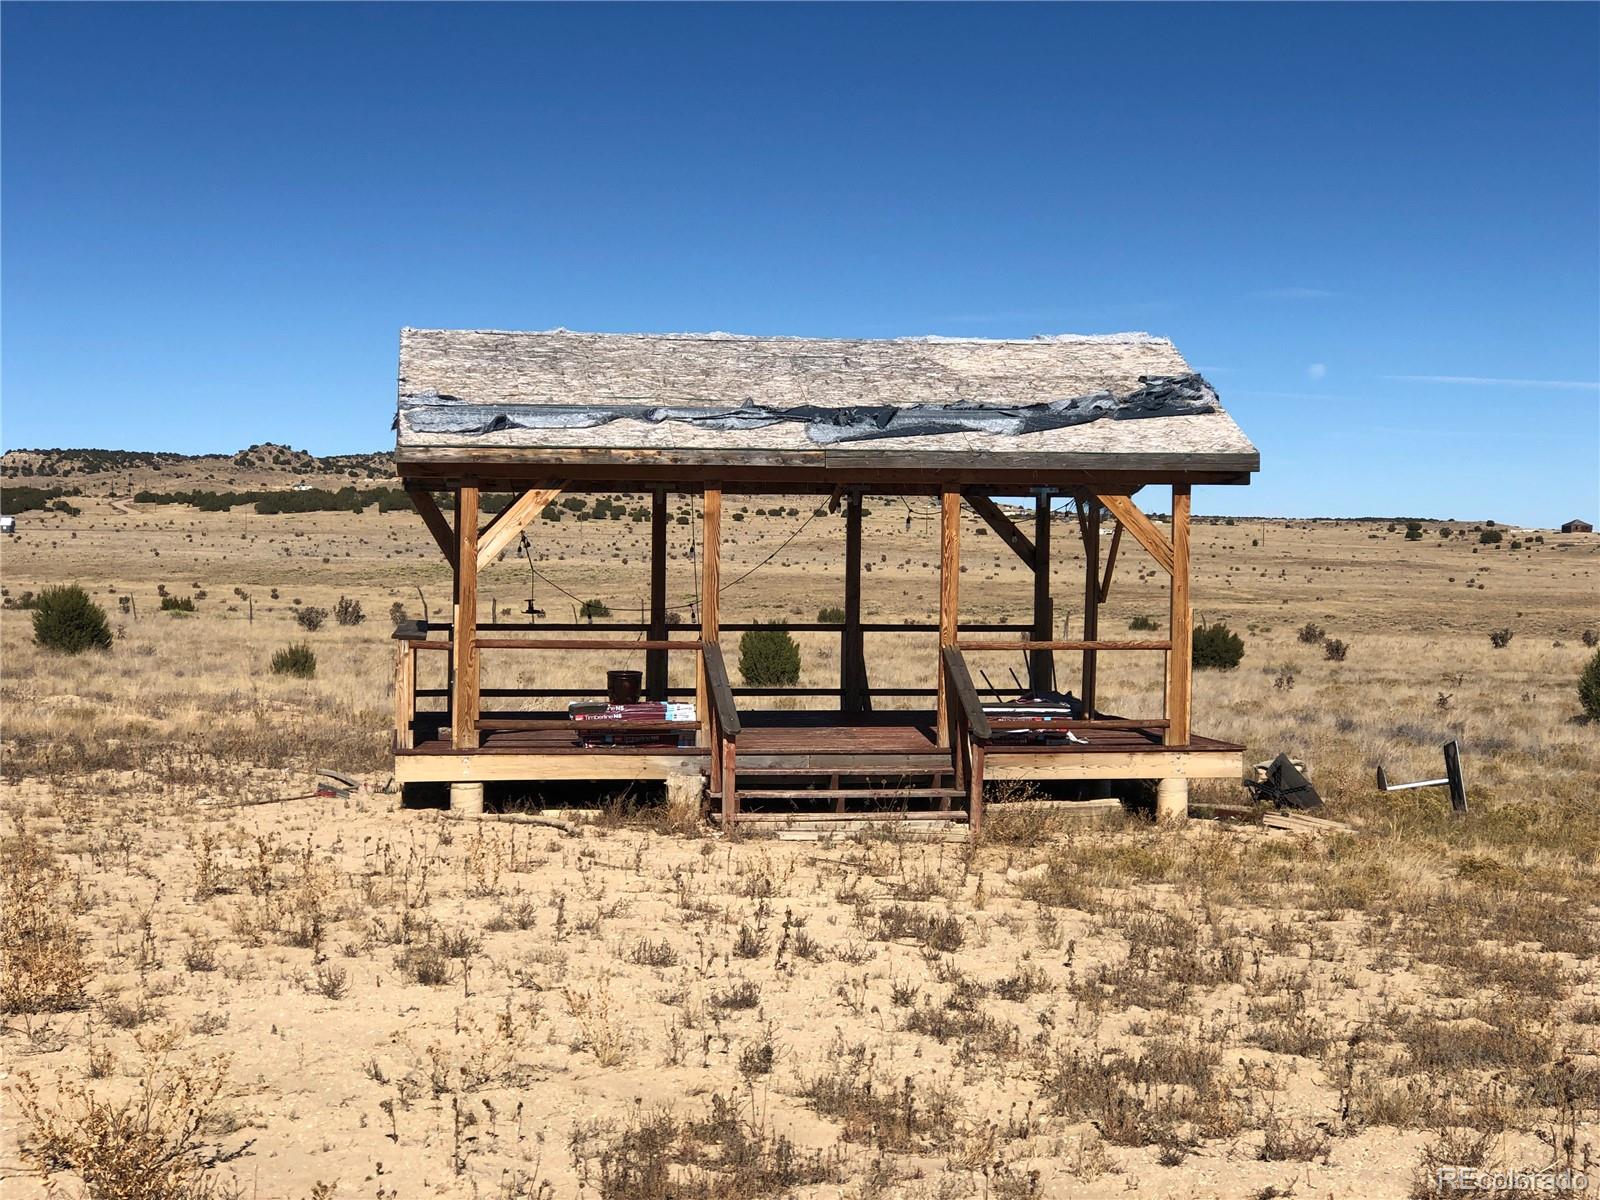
{"points": [[320, 993]]}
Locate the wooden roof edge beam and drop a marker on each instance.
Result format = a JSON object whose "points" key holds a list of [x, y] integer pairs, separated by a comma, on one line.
{"points": [[1003, 525], [1144, 530], [428, 509], [498, 535]]}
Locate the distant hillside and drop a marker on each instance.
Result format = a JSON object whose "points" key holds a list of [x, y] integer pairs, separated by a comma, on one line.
{"points": [[121, 472]]}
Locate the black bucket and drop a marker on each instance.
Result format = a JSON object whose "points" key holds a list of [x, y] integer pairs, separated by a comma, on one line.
{"points": [[622, 687]]}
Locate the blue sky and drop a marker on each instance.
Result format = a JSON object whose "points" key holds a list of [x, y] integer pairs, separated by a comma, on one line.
{"points": [[1375, 228]]}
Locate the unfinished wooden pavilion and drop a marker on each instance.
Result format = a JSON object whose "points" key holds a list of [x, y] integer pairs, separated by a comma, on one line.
{"points": [[965, 422]]}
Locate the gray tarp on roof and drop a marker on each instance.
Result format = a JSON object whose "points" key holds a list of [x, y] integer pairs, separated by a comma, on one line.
{"points": [[1160, 396]]}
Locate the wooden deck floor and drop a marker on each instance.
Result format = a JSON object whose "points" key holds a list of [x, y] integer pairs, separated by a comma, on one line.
{"points": [[800, 732]]}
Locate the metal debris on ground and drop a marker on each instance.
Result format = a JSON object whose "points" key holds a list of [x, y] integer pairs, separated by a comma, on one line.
{"points": [[1284, 785], [1453, 779]]}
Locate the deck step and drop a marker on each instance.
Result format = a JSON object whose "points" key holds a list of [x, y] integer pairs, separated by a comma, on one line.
{"points": [[931, 793], [850, 772], [846, 763], [801, 820]]}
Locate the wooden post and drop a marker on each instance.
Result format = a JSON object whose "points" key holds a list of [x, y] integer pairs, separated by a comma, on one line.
{"points": [[405, 688], [1181, 624], [853, 695], [949, 593], [710, 611], [464, 641], [655, 661], [1042, 663], [1091, 602]]}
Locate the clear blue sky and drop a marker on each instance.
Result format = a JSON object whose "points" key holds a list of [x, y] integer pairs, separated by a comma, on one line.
{"points": [[1375, 228]]}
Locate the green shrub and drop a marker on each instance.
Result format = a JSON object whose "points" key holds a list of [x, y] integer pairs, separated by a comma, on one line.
{"points": [[769, 657], [592, 609], [295, 659], [1142, 622], [1311, 633], [348, 611], [1501, 638], [1589, 688], [1489, 537], [180, 604], [310, 618], [831, 615], [1413, 531], [1216, 647], [66, 620], [1334, 650]]}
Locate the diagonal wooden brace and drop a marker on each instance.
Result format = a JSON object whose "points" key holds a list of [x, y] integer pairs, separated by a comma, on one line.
{"points": [[499, 533], [1143, 529]]}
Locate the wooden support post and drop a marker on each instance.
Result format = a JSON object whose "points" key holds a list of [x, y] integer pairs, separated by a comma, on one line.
{"points": [[1042, 663], [464, 641], [975, 792], [405, 694], [949, 594], [710, 609], [1091, 602], [853, 695], [1181, 622], [655, 661]]}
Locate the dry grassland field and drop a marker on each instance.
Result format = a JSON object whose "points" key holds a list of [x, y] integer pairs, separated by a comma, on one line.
{"points": [[339, 997]]}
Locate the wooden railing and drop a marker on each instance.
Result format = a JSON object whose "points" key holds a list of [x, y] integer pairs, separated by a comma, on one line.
{"points": [[723, 725], [968, 734]]}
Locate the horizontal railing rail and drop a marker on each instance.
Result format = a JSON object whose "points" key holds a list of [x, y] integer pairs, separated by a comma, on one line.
{"points": [[971, 647]]}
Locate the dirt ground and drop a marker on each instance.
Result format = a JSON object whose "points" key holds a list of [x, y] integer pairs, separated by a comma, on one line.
{"points": [[336, 997]]}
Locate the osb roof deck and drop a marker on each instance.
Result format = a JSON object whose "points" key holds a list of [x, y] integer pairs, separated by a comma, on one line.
{"points": [[563, 368]]}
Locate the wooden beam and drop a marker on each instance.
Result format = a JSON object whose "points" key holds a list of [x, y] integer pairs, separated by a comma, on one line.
{"points": [[710, 583], [1003, 525], [1142, 527], [1111, 560], [464, 639], [511, 520], [405, 693], [1042, 663], [1181, 623], [428, 509], [949, 595], [1091, 603], [853, 694], [655, 661]]}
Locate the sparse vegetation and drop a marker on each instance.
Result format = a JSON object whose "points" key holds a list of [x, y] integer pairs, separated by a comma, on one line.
{"points": [[769, 657], [67, 621], [310, 618], [296, 659], [1217, 648], [1081, 1003]]}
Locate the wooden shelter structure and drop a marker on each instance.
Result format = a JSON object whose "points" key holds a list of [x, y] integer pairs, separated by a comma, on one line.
{"points": [[961, 421]]}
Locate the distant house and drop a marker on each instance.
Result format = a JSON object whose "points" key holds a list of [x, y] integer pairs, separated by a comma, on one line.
{"points": [[1576, 526], [8, 524]]}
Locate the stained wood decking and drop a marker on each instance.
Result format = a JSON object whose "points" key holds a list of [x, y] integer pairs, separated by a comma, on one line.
{"points": [[800, 732]]}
